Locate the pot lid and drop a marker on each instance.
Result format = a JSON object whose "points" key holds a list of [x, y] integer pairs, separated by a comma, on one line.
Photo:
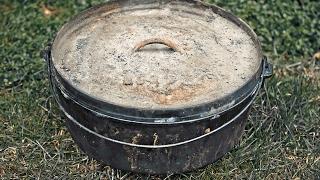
{"points": [[156, 54]]}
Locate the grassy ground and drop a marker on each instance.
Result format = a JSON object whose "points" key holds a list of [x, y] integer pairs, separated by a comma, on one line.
{"points": [[282, 138]]}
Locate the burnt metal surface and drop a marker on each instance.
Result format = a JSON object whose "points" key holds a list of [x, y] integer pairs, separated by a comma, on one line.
{"points": [[155, 141], [163, 160]]}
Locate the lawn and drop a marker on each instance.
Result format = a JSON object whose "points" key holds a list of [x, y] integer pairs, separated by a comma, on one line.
{"points": [[282, 137]]}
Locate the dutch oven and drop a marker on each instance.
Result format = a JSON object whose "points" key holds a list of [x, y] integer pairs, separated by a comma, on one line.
{"points": [[156, 86]]}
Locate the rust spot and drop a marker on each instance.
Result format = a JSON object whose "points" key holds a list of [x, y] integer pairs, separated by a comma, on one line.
{"points": [[136, 139], [208, 130], [179, 94], [155, 139]]}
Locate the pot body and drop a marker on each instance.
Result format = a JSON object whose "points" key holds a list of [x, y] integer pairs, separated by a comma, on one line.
{"points": [[159, 141], [159, 160], [154, 148]]}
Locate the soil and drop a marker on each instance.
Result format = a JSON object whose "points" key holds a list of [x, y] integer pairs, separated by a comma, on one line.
{"points": [[209, 57]]}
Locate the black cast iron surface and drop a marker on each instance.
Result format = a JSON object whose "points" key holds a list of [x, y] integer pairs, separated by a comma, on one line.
{"points": [[159, 160], [155, 141]]}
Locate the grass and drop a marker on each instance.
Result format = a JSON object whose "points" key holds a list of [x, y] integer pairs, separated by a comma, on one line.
{"points": [[281, 141]]}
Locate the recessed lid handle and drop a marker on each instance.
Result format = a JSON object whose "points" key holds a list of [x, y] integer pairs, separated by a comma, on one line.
{"points": [[164, 41]]}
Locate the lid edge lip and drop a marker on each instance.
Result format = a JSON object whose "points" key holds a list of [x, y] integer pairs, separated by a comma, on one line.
{"points": [[169, 112]]}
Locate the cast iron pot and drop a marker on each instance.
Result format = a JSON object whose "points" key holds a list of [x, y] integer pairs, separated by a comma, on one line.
{"points": [[157, 141]]}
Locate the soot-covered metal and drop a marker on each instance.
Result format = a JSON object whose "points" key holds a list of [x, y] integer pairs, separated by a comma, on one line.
{"points": [[156, 141]]}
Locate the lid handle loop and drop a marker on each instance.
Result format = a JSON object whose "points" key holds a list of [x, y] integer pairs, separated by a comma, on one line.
{"points": [[163, 41]]}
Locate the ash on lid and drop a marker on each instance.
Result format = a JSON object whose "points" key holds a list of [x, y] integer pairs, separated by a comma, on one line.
{"points": [[213, 57]]}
